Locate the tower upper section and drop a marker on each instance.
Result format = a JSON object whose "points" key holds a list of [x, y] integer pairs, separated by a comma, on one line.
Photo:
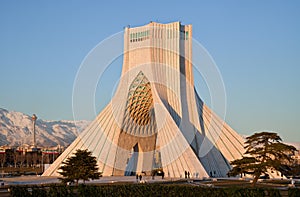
{"points": [[161, 44]]}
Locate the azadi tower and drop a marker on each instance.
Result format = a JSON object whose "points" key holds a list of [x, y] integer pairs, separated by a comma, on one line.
{"points": [[156, 119]]}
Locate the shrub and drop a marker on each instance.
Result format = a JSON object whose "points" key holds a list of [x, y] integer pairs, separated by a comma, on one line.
{"points": [[144, 190], [294, 192]]}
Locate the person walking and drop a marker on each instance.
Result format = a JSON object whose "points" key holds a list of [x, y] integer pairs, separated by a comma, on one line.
{"points": [[153, 174]]}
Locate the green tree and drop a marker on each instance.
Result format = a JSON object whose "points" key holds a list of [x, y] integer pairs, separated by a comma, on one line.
{"points": [[264, 151], [82, 166]]}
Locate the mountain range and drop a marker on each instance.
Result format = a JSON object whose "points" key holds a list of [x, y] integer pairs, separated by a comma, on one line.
{"points": [[16, 129]]}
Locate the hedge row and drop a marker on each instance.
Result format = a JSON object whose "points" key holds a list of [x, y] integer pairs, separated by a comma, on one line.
{"points": [[143, 190]]}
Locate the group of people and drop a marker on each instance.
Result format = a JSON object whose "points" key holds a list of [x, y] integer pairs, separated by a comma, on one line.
{"points": [[138, 177], [162, 174], [187, 174]]}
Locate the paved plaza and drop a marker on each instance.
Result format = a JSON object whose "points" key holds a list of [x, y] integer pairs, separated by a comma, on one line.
{"points": [[28, 180]]}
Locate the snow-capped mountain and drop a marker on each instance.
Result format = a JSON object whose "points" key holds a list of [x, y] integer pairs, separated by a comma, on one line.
{"points": [[16, 129]]}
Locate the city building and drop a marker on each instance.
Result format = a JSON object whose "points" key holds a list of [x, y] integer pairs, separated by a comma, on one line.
{"points": [[296, 157]]}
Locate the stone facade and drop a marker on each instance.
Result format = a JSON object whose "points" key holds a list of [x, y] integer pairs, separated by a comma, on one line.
{"points": [[156, 118]]}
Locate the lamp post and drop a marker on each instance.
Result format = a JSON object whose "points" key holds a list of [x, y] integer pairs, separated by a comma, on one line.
{"points": [[34, 117], [42, 162]]}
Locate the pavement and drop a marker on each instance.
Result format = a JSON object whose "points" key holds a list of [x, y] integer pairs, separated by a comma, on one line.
{"points": [[28, 180]]}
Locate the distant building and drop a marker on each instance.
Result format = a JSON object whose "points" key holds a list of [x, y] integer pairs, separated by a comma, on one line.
{"points": [[296, 156], [28, 155]]}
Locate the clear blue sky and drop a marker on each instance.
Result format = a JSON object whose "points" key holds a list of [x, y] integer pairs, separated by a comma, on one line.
{"points": [[256, 45]]}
